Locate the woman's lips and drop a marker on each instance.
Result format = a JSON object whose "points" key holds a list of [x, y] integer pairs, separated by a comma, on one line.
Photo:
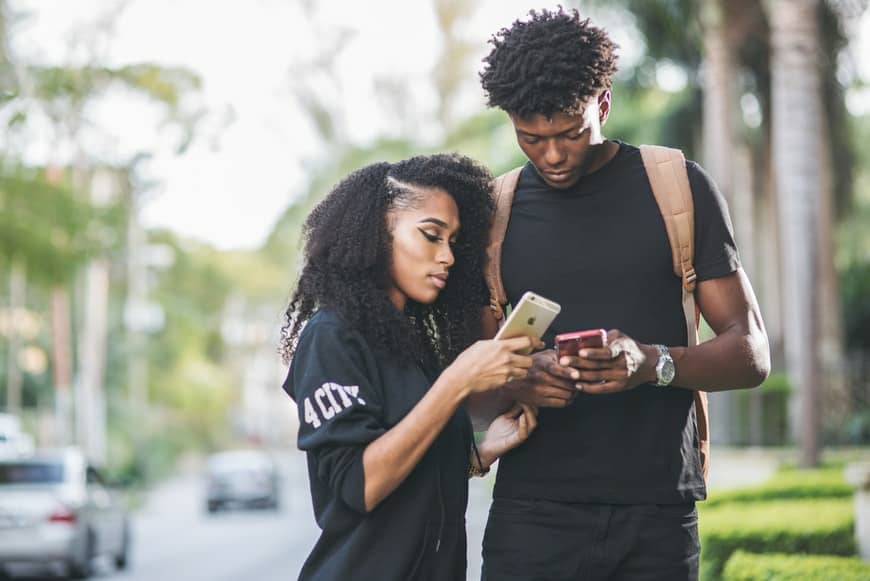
{"points": [[440, 280]]}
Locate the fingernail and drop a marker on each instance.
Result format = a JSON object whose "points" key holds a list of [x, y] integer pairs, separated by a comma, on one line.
{"points": [[584, 353], [575, 375], [564, 361], [579, 386]]}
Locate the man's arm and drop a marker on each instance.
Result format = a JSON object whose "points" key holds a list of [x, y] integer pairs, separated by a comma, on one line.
{"points": [[738, 357]]}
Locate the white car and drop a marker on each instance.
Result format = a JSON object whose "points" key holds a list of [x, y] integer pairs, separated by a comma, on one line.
{"points": [[13, 441], [56, 508], [242, 478]]}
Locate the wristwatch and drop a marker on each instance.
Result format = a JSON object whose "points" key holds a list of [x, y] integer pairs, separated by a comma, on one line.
{"points": [[665, 370]]}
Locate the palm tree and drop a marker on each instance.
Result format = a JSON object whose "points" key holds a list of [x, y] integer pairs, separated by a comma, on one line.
{"points": [[797, 123]]}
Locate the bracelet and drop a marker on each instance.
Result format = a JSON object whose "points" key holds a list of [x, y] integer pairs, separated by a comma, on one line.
{"points": [[478, 470]]}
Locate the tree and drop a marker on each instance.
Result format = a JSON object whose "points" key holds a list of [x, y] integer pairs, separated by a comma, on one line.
{"points": [[798, 121]]}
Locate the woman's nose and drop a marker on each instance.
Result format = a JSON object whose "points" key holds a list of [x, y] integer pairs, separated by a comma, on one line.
{"points": [[445, 255]]}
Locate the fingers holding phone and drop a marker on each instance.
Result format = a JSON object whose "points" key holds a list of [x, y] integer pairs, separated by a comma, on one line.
{"points": [[584, 349], [607, 362], [548, 383], [490, 364]]}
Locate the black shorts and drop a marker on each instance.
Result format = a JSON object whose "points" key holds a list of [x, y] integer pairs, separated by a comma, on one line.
{"points": [[538, 540]]}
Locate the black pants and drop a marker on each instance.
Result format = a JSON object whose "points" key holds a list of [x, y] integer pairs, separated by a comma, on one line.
{"points": [[538, 540]]}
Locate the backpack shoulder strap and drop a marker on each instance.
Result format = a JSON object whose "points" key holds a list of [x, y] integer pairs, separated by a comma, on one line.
{"points": [[503, 190], [666, 171]]}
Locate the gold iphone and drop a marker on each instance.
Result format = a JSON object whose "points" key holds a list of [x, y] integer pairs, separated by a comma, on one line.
{"points": [[531, 317]]}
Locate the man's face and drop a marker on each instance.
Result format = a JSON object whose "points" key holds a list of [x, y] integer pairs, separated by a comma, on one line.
{"points": [[561, 148]]}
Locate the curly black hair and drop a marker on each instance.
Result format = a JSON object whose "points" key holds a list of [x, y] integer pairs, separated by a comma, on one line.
{"points": [[553, 63], [347, 259]]}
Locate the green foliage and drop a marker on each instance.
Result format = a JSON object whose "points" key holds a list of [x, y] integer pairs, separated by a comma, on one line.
{"points": [[650, 115], [855, 293], [743, 566], [75, 85], [789, 483], [48, 227], [817, 526], [189, 378], [776, 383], [671, 29]]}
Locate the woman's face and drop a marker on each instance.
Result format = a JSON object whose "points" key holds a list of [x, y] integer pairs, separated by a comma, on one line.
{"points": [[421, 253]]}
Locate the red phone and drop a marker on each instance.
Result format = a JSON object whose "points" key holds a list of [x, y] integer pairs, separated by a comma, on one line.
{"points": [[570, 343]]}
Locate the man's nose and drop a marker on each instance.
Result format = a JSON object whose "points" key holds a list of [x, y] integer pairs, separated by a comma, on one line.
{"points": [[554, 155]]}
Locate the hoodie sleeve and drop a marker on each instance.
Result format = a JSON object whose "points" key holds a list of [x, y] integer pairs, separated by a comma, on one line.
{"points": [[339, 406]]}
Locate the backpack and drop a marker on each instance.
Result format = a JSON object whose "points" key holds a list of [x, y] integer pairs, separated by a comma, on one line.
{"points": [[666, 171]]}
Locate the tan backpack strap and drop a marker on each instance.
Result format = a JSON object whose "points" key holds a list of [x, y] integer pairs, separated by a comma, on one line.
{"points": [[503, 188], [666, 171]]}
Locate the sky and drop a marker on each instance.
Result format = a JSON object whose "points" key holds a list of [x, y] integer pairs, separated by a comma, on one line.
{"points": [[253, 146]]}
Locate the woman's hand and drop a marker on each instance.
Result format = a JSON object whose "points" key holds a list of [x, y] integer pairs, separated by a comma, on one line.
{"points": [[507, 431], [490, 364]]}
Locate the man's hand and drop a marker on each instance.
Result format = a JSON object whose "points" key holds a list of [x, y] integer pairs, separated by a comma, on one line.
{"points": [[622, 365], [547, 384]]}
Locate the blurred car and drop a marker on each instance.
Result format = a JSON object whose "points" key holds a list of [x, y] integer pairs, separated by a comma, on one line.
{"points": [[56, 508], [13, 441], [242, 478]]}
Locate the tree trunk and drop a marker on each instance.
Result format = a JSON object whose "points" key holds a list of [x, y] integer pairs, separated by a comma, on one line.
{"points": [[719, 144], [797, 124], [834, 391], [17, 305], [90, 387], [61, 347]]}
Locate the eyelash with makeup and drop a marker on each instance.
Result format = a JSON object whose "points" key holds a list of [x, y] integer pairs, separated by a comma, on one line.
{"points": [[433, 238], [430, 237]]}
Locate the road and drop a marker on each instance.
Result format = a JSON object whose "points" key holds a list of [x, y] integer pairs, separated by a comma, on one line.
{"points": [[175, 539]]}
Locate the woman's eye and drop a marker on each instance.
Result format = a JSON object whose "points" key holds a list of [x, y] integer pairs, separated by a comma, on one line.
{"points": [[430, 237]]}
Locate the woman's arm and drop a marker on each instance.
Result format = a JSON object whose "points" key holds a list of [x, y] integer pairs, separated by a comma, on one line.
{"points": [[506, 432], [389, 459]]}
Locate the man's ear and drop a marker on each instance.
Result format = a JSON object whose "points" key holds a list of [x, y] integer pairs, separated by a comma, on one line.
{"points": [[603, 106]]}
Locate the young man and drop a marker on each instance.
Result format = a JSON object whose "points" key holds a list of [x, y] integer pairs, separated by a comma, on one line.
{"points": [[606, 487]]}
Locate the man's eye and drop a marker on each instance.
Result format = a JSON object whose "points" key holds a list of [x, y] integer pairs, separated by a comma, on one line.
{"points": [[531, 140]]}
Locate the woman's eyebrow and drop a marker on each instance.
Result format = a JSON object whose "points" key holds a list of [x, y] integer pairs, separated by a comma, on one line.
{"points": [[435, 221]]}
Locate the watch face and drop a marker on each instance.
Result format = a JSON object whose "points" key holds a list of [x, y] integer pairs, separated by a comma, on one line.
{"points": [[668, 371]]}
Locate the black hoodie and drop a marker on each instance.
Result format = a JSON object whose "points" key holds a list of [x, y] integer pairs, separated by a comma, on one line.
{"points": [[347, 396]]}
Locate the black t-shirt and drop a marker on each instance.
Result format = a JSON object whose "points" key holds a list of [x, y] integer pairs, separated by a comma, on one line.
{"points": [[600, 249], [347, 396]]}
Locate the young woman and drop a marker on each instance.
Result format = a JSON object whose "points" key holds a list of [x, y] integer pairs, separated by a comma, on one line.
{"points": [[380, 334]]}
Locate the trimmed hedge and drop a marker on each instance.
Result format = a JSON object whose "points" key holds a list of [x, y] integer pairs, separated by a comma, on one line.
{"points": [[786, 526], [744, 566], [828, 482]]}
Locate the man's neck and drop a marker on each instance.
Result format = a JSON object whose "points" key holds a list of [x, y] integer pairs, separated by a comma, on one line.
{"points": [[601, 155]]}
